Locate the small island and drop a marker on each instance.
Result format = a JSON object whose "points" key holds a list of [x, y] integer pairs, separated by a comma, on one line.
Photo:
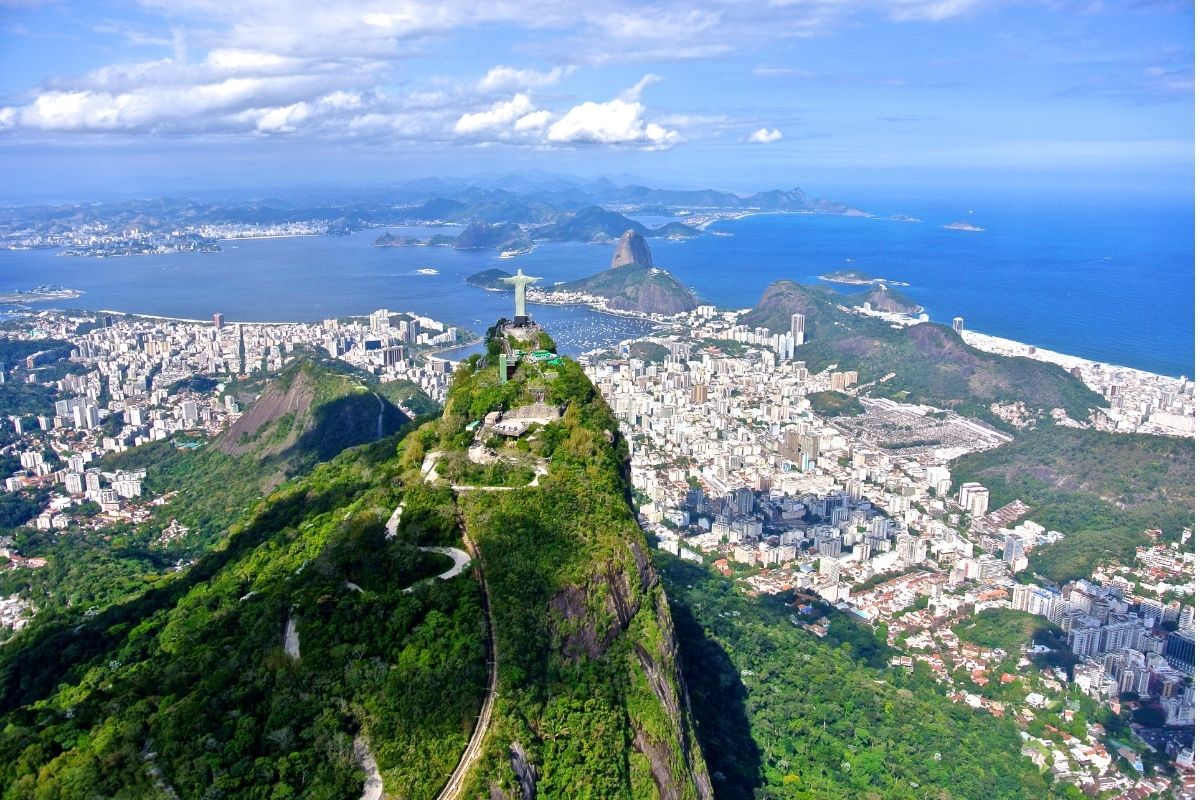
{"points": [[962, 226], [38, 294], [853, 277], [509, 238], [491, 279], [388, 240], [903, 218]]}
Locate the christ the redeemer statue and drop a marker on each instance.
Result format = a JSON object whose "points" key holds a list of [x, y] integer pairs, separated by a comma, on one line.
{"points": [[519, 282]]}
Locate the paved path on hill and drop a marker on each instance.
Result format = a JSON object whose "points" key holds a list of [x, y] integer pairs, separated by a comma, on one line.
{"points": [[461, 557], [373, 786], [454, 786]]}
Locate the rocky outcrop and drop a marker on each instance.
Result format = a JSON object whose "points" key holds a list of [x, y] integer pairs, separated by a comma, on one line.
{"points": [[882, 298], [526, 773], [589, 635], [636, 288], [481, 236], [666, 681], [631, 249], [658, 292], [288, 400], [390, 240]]}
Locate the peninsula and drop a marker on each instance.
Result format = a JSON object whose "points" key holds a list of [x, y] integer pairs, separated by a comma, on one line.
{"points": [[631, 284]]}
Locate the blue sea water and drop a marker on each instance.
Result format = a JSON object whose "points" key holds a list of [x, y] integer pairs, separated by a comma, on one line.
{"points": [[1103, 278]]}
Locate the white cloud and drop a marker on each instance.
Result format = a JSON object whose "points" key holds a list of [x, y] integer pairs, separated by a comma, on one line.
{"points": [[233, 60], [532, 122], [634, 93], [331, 69], [341, 101], [502, 78], [499, 118], [283, 120], [764, 136], [615, 122]]}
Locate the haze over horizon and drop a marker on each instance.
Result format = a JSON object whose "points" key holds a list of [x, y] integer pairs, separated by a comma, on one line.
{"points": [[111, 100]]}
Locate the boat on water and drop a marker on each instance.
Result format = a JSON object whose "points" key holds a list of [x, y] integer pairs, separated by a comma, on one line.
{"points": [[427, 271]]}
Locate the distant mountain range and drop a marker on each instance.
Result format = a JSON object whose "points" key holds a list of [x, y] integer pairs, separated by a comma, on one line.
{"points": [[555, 210]]}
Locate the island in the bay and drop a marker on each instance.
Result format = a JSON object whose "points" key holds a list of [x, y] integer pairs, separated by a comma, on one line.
{"points": [[962, 226], [38, 294], [854, 277]]}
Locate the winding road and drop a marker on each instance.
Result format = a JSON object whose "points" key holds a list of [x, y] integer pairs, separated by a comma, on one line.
{"points": [[454, 784], [373, 788]]}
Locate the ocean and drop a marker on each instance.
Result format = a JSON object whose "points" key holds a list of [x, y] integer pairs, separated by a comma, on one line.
{"points": [[1100, 278]]}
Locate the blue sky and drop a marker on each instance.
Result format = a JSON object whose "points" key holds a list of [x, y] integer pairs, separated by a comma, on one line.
{"points": [[173, 95]]}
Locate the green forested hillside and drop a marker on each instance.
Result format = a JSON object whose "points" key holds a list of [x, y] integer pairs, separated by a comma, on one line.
{"points": [[209, 490], [191, 687], [1101, 489], [928, 363], [589, 692], [614, 679], [195, 671], [782, 714]]}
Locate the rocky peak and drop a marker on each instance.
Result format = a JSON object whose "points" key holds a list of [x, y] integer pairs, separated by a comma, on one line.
{"points": [[632, 249]]}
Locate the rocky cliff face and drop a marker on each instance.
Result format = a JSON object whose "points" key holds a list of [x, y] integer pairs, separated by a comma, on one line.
{"points": [[882, 298], [591, 700], [631, 249], [591, 618]]}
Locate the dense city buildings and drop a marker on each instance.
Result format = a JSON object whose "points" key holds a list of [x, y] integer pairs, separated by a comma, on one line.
{"points": [[733, 464], [113, 383]]}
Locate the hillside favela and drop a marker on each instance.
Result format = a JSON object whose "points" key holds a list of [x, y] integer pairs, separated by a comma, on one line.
{"points": [[658, 401]]}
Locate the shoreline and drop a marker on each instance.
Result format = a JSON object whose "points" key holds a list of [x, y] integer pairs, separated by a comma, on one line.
{"points": [[982, 341], [272, 236], [599, 308], [1012, 348], [208, 321]]}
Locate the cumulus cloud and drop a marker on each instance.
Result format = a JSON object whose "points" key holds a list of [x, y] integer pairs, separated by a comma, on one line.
{"points": [[765, 136], [519, 120], [618, 121], [498, 119], [283, 120]]}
